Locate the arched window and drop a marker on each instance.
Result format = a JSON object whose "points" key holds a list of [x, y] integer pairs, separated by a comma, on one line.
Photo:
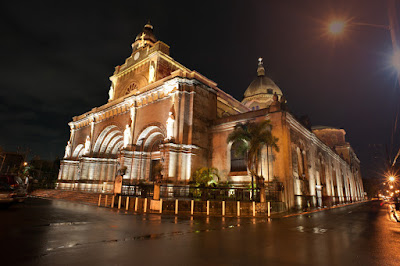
{"points": [[131, 88], [238, 161]]}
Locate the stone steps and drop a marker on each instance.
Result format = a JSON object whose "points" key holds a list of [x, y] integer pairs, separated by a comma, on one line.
{"points": [[84, 197]]}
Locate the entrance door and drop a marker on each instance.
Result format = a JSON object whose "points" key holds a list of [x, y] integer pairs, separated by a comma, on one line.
{"points": [[154, 171]]}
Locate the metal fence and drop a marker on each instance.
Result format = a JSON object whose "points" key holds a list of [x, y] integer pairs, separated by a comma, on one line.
{"points": [[273, 192]]}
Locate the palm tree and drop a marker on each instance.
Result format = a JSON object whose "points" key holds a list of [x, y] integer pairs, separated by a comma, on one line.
{"points": [[251, 138]]}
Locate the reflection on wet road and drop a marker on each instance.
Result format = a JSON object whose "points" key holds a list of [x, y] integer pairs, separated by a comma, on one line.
{"points": [[63, 233]]}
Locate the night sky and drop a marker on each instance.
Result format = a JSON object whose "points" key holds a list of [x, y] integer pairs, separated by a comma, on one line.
{"points": [[56, 58]]}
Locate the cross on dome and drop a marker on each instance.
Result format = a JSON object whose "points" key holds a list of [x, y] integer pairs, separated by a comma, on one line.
{"points": [[260, 69]]}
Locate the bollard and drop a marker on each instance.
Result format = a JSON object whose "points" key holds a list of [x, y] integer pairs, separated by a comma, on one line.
{"points": [[112, 201], [238, 208], [160, 205], [145, 205], [136, 204], [254, 208], [119, 202], [191, 207], [99, 200], [223, 208], [105, 202], [127, 203], [208, 207], [176, 206], [269, 209]]}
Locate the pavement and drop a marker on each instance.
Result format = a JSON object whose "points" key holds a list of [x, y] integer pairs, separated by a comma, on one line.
{"points": [[274, 215], [263, 215], [54, 232]]}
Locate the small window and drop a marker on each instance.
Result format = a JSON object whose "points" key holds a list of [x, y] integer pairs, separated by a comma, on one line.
{"points": [[269, 91], [257, 107]]}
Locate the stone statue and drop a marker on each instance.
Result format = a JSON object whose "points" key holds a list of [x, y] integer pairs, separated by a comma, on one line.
{"points": [[87, 145], [127, 136], [67, 150], [152, 72], [111, 93], [170, 124]]}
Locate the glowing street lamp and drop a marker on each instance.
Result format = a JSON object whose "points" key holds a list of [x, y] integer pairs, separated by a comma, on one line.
{"points": [[391, 178], [336, 27]]}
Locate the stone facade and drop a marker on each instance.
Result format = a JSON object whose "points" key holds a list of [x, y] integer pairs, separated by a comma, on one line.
{"points": [[161, 113]]}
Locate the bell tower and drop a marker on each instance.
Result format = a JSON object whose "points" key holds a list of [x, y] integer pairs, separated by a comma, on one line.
{"points": [[147, 64]]}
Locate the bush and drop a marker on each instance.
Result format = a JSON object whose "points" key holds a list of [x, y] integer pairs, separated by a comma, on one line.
{"points": [[205, 176]]}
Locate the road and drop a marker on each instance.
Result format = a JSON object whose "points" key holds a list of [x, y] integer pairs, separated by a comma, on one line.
{"points": [[46, 232]]}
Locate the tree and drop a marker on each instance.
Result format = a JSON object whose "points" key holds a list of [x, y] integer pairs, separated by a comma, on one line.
{"points": [[205, 176], [252, 137]]}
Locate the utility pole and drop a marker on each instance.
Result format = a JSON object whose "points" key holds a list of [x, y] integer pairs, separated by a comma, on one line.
{"points": [[394, 28]]}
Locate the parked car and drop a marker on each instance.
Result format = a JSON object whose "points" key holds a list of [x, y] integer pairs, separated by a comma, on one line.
{"points": [[16, 185], [6, 194]]}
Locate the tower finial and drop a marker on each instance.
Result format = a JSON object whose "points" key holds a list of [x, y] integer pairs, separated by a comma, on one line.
{"points": [[260, 69], [148, 25]]}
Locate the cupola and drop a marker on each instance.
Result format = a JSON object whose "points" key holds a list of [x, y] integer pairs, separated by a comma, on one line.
{"points": [[261, 90]]}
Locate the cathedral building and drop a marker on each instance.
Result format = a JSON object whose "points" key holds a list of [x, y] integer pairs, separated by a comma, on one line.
{"points": [[161, 113]]}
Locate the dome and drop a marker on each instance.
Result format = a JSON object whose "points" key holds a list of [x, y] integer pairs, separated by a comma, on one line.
{"points": [[145, 37], [261, 90], [147, 34]]}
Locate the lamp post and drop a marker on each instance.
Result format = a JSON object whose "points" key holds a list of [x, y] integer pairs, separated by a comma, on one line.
{"points": [[338, 27]]}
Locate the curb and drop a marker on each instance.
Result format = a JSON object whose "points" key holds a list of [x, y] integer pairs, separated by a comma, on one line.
{"points": [[171, 213], [323, 209]]}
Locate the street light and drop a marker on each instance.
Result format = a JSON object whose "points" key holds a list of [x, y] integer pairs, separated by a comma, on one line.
{"points": [[336, 27]]}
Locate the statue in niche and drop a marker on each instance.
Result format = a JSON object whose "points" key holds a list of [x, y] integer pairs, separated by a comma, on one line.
{"points": [[152, 72], [127, 136], [87, 145], [67, 150], [111, 93], [170, 123]]}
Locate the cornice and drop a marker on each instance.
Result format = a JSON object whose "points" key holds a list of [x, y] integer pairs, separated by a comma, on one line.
{"points": [[313, 138]]}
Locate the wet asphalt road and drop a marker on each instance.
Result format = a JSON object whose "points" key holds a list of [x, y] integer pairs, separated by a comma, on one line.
{"points": [[44, 232]]}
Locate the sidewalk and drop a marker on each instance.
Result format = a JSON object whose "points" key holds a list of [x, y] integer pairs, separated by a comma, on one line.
{"points": [[313, 210], [274, 215]]}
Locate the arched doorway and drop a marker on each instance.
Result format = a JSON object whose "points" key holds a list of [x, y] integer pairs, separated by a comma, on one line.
{"points": [[150, 159]]}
